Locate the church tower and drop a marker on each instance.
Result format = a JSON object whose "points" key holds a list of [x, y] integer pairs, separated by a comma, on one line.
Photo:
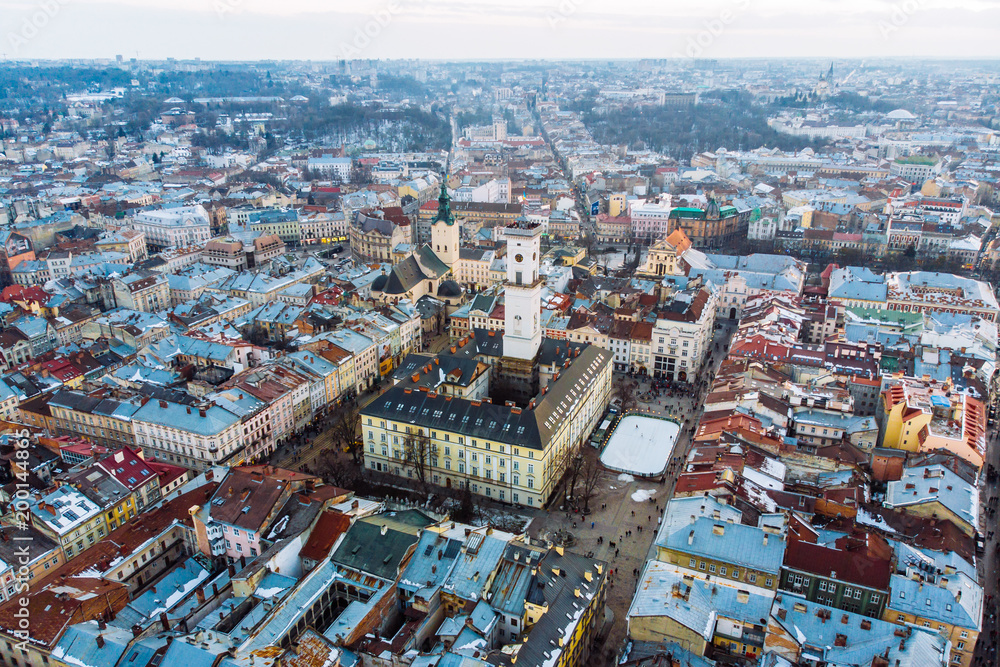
{"points": [[516, 375], [522, 293], [445, 230]]}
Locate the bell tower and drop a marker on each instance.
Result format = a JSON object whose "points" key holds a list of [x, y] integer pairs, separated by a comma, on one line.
{"points": [[445, 230], [516, 374], [522, 292]]}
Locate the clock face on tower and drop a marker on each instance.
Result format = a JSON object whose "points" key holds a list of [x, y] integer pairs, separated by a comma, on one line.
{"points": [[518, 258]]}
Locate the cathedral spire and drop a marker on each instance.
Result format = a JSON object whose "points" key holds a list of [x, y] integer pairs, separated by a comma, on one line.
{"points": [[444, 205]]}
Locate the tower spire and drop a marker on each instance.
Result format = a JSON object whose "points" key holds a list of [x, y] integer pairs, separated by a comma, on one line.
{"points": [[444, 214]]}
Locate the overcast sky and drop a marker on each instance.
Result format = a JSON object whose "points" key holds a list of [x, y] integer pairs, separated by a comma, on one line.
{"points": [[493, 29]]}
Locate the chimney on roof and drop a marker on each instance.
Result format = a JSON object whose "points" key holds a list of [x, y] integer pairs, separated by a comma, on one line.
{"points": [[164, 621], [200, 593], [163, 404], [189, 409], [384, 529], [201, 412]]}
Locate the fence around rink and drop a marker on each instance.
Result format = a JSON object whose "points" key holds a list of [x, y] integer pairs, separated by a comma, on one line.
{"points": [[636, 413]]}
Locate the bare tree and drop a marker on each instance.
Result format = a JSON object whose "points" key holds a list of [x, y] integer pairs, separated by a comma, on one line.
{"points": [[590, 476], [417, 452], [335, 470], [573, 461], [624, 391], [345, 432], [602, 262], [466, 510], [588, 241]]}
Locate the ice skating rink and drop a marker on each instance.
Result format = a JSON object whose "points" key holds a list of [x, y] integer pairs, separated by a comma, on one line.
{"points": [[641, 445]]}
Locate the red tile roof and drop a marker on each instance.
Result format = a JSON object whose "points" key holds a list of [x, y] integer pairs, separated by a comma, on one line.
{"points": [[848, 566], [128, 468], [60, 605], [123, 542], [328, 528], [167, 472]]}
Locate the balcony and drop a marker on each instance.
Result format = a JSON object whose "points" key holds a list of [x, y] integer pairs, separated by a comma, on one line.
{"points": [[218, 547]]}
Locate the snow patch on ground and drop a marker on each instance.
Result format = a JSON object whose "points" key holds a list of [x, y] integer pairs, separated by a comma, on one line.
{"points": [[643, 495], [625, 477]]}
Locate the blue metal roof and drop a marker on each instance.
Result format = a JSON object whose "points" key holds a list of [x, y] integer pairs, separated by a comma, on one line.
{"points": [[746, 546], [79, 646]]}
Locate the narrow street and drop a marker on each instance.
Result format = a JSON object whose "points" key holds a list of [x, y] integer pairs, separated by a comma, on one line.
{"points": [[986, 647], [308, 454]]}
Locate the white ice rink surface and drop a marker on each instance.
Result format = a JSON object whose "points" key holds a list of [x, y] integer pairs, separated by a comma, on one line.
{"points": [[640, 445]]}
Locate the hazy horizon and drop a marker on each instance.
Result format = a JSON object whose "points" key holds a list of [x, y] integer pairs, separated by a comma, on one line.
{"points": [[248, 30]]}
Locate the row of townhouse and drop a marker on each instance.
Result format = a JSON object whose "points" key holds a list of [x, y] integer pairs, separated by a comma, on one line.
{"points": [[245, 419], [261, 288], [911, 292], [673, 347], [722, 584]]}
